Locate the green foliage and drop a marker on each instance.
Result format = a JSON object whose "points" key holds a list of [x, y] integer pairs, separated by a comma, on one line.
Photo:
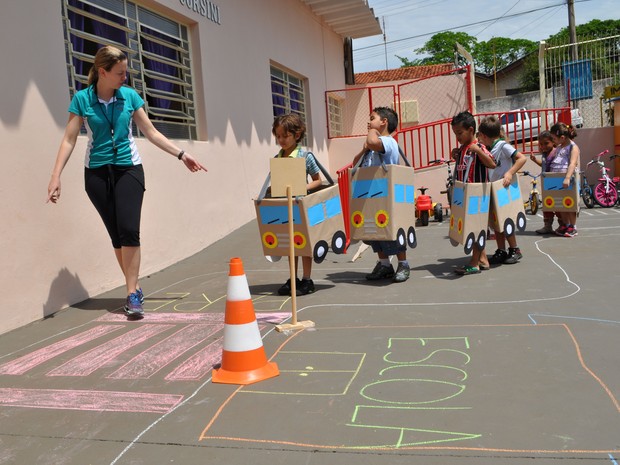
{"points": [[499, 52], [493, 54], [440, 47], [528, 80], [595, 29], [406, 62]]}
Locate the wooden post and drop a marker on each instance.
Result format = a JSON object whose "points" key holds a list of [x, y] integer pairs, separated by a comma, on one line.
{"points": [[291, 254], [294, 325]]}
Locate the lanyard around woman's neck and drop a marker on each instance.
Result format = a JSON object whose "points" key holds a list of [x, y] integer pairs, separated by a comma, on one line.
{"points": [[104, 110]]}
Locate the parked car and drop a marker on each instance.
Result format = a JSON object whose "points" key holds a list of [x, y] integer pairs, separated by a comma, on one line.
{"points": [[576, 118], [523, 124]]}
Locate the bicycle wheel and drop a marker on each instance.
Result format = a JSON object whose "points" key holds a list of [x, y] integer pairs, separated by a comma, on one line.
{"points": [[588, 198], [534, 203], [605, 196]]}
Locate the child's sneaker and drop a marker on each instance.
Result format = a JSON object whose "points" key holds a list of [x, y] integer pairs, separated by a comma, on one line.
{"points": [[402, 273], [133, 307], [381, 272], [285, 289], [571, 231], [305, 286], [498, 257], [546, 229], [514, 255], [561, 230]]}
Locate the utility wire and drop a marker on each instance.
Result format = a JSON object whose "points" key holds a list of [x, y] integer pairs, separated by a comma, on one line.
{"points": [[465, 26]]}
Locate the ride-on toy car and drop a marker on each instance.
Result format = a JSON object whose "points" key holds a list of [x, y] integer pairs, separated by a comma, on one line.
{"points": [[425, 208]]}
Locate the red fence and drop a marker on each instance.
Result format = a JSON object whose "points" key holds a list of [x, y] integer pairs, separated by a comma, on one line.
{"points": [[419, 101], [435, 140], [427, 142]]}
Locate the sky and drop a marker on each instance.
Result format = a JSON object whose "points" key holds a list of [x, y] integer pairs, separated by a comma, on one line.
{"points": [[410, 23]]}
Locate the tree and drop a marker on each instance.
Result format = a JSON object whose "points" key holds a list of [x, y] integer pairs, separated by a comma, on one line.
{"points": [[493, 54], [595, 29], [499, 52], [440, 47]]}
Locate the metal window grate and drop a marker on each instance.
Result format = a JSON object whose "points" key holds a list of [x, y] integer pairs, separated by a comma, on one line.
{"points": [[158, 51], [288, 95]]}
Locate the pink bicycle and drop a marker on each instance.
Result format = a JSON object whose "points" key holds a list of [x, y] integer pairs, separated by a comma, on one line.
{"points": [[605, 191]]}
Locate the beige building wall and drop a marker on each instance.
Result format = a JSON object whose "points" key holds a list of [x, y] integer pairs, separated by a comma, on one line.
{"points": [[56, 255]]}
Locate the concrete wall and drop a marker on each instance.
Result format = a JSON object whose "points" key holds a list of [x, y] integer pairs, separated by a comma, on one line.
{"points": [[56, 255], [556, 97]]}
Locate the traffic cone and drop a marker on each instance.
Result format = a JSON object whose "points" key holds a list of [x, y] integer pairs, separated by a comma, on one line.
{"points": [[243, 355]]}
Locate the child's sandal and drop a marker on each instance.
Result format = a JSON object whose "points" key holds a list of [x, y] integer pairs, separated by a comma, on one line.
{"points": [[483, 267], [467, 270]]}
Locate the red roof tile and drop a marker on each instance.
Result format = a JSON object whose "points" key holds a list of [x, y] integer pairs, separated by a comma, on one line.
{"points": [[402, 74]]}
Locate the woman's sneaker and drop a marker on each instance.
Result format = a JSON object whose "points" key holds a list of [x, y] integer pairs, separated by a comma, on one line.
{"points": [[133, 306], [140, 295]]}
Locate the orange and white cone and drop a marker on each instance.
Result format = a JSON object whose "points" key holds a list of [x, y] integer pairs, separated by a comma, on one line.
{"points": [[243, 355]]}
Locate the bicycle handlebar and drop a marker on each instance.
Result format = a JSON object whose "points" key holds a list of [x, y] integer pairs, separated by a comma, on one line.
{"points": [[598, 157], [440, 161]]}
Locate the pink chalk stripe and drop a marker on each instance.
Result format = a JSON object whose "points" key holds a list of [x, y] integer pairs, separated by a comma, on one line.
{"points": [[148, 363], [197, 318], [88, 362], [102, 401], [202, 318], [198, 365], [29, 361]]}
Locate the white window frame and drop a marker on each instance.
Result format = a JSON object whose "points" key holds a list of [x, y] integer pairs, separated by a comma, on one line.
{"points": [[288, 95], [336, 121]]}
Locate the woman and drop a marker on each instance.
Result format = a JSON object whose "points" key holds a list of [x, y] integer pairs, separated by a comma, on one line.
{"points": [[114, 176]]}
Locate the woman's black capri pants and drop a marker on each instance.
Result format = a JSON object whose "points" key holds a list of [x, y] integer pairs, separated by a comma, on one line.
{"points": [[117, 193]]}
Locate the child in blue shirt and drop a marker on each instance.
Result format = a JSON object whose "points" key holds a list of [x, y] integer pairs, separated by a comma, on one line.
{"points": [[380, 147]]}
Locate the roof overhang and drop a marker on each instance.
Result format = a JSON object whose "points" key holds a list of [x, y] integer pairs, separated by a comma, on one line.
{"points": [[348, 18]]}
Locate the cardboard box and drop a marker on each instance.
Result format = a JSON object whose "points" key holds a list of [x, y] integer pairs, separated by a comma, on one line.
{"points": [[382, 204], [507, 213], [469, 214], [317, 223], [556, 198]]}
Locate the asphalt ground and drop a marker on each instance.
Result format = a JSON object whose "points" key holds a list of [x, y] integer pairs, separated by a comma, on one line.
{"points": [[518, 364]]}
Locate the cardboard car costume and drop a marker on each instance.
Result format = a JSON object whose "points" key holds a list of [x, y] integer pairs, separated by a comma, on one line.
{"points": [[469, 214], [556, 197], [507, 214], [318, 223], [382, 203]]}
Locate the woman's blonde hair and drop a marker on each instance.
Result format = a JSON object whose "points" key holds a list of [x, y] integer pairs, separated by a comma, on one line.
{"points": [[106, 57]]}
